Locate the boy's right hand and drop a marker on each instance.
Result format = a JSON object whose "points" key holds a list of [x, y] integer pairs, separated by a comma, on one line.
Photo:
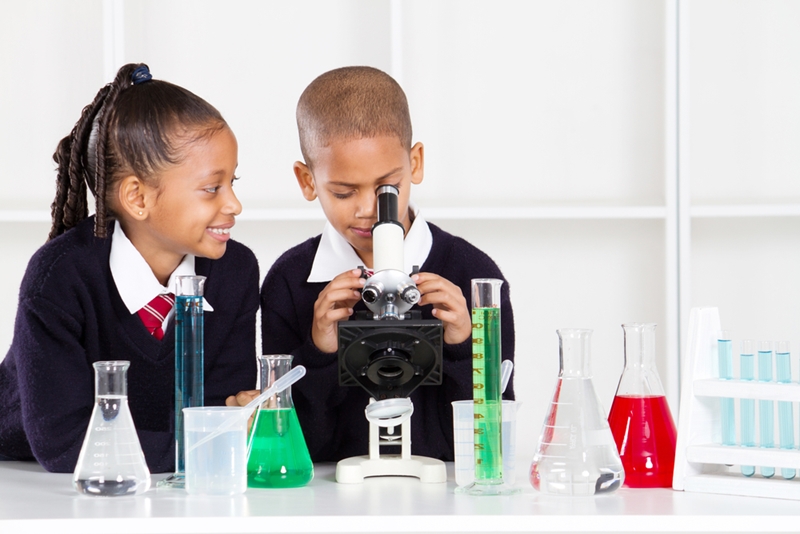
{"points": [[335, 303]]}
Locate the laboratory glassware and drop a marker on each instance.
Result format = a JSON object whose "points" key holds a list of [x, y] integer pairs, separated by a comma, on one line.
{"points": [[111, 462], [278, 456], [766, 408], [640, 418], [188, 363], [725, 360], [783, 374], [576, 454], [218, 465], [747, 407]]}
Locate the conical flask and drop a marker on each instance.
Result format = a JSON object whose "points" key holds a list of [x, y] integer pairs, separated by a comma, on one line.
{"points": [[111, 462], [640, 419], [278, 456], [576, 453]]}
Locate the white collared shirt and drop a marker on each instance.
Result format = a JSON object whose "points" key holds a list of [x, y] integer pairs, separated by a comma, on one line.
{"points": [[335, 255], [135, 281]]}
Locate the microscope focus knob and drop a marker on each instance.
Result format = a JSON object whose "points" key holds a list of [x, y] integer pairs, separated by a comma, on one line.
{"points": [[411, 295]]}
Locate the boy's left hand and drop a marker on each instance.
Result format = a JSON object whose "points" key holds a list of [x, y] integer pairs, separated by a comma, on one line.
{"points": [[449, 305]]}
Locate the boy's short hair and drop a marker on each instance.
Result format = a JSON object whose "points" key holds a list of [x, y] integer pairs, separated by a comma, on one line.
{"points": [[351, 103]]}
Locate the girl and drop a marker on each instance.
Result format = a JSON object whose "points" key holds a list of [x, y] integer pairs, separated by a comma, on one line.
{"points": [[159, 162]]}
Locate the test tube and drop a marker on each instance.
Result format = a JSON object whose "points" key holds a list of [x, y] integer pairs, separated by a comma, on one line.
{"points": [[725, 352], [747, 407], [766, 408], [783, 371]]}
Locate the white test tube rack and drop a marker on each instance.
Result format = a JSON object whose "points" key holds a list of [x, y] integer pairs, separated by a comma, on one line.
{"points": [[701, 462]]}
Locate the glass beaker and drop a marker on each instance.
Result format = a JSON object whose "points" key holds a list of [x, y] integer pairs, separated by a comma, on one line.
{"points": [[576, 454], [278, 456], [640, 419], [189, 391], [111, 462]]}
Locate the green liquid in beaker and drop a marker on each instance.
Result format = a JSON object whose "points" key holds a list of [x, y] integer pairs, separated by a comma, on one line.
{"points": [[279, 457], [486, 354]]}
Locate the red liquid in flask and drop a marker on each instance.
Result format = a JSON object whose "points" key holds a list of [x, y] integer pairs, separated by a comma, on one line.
{"points": [[645, 435]]}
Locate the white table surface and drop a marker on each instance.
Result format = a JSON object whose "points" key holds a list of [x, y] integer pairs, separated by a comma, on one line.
{"points": [[32, 500]]}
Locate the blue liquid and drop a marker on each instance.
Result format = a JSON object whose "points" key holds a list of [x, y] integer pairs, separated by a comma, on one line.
{"points": [[766, 409], [188, 365], [785, 412], [747, 408], [725, 351]]}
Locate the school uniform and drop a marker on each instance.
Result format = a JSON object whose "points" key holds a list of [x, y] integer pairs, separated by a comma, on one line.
{"points": [[78, 305], [332, 417]]}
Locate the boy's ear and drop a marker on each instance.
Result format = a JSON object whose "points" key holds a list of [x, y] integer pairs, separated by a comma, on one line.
{"points": [[133, 198], [305, 180], [417, 156]]}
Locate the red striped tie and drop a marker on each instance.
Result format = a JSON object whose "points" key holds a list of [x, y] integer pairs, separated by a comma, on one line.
{"points": [[153, 314]]}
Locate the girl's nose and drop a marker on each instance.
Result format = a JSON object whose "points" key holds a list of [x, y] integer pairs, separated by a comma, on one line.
{"points": [[232, 205]]}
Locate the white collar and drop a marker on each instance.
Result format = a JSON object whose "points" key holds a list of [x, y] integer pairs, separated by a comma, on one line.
{"points": [[135, 281], [335, 255]]}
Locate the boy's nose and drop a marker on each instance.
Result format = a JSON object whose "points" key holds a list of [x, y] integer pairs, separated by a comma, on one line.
{"points": [[367, 206]]}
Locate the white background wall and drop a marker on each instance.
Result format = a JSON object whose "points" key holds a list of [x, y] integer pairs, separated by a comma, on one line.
{"points": [[565, 106]]}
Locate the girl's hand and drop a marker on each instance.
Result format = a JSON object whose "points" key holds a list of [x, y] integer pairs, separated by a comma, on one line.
{"points": [[335, 303], [241, 399], [449, 305]]}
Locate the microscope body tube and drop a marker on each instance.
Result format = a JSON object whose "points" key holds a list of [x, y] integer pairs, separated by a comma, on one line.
{"points": [[388, 232]]}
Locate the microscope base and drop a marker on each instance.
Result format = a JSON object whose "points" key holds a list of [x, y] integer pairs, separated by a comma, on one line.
{"points": [[354, 470]]}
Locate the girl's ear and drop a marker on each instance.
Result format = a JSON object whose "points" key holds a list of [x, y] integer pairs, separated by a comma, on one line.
{"points": [[417, 156], [132, 198], [305, 180]]}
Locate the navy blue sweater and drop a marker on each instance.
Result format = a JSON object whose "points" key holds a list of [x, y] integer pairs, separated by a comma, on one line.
{"points": [[332, 417], [71, 315]]}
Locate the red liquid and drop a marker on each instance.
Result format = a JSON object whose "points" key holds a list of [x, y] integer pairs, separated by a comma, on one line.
{"points": [[645, 435]]}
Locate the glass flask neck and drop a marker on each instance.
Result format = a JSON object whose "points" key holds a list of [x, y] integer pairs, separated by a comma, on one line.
{"points": [[640, 376], [273, 367], [110, 378], [573, 352]]}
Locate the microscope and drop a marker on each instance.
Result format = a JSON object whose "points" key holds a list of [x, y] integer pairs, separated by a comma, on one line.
{"points": [[389, 351]]}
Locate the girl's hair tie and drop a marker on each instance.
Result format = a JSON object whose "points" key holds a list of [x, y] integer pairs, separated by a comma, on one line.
{"points": [[141, 75]]}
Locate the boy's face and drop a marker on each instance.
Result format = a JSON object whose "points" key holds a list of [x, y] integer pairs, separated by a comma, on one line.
{"points": [[346, 176]]}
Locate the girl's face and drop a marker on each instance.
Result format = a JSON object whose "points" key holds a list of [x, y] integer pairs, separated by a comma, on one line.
{"points": [[192, 209]]}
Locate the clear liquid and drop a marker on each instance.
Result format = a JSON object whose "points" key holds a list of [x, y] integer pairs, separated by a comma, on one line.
{"points": [[766, 410], [783, 371], [188, 366], [725, 353], [747, 409], [488, 409], [577, 454], [218, 466], [111, 462], [279, 456]]}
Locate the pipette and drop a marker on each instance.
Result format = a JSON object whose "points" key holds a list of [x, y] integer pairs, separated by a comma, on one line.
{"points": [[505, 374], [282, 383]]}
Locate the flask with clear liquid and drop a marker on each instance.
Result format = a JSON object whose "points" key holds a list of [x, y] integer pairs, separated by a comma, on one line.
{"points": [[640, 419], [111, 462], [278, 455], [576, 454]]}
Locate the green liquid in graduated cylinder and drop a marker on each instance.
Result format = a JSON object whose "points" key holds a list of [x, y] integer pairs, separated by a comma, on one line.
{"points": [[487, 395], [279, 457]]}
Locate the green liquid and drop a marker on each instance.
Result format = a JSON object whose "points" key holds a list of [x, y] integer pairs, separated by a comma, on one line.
{"points": [[486, 354], [279, 457]]}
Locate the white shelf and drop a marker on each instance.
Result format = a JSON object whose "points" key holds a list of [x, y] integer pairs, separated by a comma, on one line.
{"points": [[746, 389], [723, 455], [745, 210]]}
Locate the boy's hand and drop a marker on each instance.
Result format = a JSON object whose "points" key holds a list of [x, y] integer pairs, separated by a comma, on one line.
{"points": [[241, 399], [449, 305], [335, 303]]}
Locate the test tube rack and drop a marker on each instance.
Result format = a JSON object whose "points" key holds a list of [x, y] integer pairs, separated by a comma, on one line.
{"points": [[701, 462]]}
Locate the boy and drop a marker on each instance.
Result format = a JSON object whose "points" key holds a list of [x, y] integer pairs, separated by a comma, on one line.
{"points": [[355, 135]]}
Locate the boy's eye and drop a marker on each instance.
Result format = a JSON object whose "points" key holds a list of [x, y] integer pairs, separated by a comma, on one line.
{"points": [[341, 195]]}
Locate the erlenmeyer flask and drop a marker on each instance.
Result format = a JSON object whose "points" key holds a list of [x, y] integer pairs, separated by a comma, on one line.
{"points": [[111, 462], [576, 453], [640, 418], [278, 456]]}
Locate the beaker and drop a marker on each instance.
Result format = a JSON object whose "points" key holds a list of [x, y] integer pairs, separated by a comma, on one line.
{"points": [[216, 466], [189, 391], [576, 454], [278, 456], [111, 462], [640, 418]]}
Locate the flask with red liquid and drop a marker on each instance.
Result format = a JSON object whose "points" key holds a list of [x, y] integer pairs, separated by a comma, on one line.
{"points": [[640, 419]]}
